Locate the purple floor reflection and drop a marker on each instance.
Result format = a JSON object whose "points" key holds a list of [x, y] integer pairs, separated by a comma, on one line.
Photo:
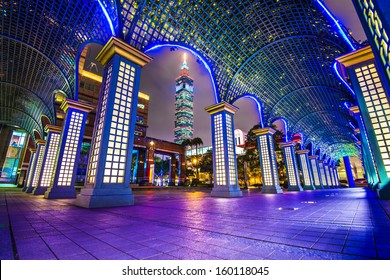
{"points": [[177, 224]]}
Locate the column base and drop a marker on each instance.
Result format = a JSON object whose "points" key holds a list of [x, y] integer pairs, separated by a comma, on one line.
{"points": [[326, 187], [384, 191], [29, 189], [60, 192], [309, 188], [319, 187], [271, 189], [39, 190], [226, 191], [294, 189], [24, 189], [99, 198]]}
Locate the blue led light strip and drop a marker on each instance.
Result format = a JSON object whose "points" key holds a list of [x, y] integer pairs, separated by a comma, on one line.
{"points": [[107, 17], [341, 31], [336, 70]]}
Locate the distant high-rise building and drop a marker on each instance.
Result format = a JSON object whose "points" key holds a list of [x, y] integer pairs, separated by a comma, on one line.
{"points": [[184, 105]]}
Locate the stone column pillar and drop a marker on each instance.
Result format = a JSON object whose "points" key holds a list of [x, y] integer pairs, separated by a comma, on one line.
{"points": [[370, 160], [337, 176], [348, 172], [372, 91], [316, 172], [290, 162], [69, 149], [268, 164], [330, 166], [38, 165], [307, 172], [107, 181], [172, 170], [49, 159], [30, 170], [224, 152], [324, 180]]}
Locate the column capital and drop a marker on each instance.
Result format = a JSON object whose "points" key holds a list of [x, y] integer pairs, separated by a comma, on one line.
{"points": [[313, 156], [33, 150], [82, 106], [354, 109], [263, 131], [287, 144], [357, 130], [302, 152], [117, 46], [53, 128], [41, 141], [356, 57], [223, 106]]}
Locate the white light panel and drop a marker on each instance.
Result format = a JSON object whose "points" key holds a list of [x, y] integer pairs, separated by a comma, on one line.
{"points": [[305, 170], [266, 161], [315, 172], [322, 171], [219, 151], [290, 167], [31, 170], [94, 157], [37, 171], [70, 152], [49, 162], [378, 109], [230, 150], [115, 164]]}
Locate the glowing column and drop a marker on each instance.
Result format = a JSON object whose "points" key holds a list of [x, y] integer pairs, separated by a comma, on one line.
{"points": [[38, 165], [31, 164], [337, 176], [268, 165], [331, 175], [224, 153], [327, 175], [69, 149], [372, 91], [324, 180], [335, 179], [49, 159], [290, 162], [316, 172], [108, 177], [369, 161], [348, 172], [303, 156]]}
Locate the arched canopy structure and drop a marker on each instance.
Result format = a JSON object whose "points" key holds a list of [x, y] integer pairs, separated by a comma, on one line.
{"points": [[281, 52]]}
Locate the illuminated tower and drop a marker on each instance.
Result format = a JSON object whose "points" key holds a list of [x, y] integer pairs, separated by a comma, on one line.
{"points": [[184, 105]]}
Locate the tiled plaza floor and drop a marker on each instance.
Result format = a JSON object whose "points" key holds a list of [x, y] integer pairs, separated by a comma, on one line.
{"points": [[174, 224]]}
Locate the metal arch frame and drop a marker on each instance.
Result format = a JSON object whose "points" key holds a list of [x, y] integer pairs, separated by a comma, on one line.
{"points": [[271, 44], [196, 53], [45, 56], [326, 144], [33, 93], [285, 121], [77, 62], [258, 103], [340, 148], [303, 88], [337, 125], [316, 112], [24, 113]]}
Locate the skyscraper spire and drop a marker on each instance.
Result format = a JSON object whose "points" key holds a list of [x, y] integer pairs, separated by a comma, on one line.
{"points": [[184, 67]]}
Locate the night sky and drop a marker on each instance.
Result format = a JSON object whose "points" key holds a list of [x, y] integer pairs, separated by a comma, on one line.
{"points": [[158, 80]]}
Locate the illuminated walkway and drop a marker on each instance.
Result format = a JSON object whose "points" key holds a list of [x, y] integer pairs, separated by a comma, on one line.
{"points": [[328, 224]]}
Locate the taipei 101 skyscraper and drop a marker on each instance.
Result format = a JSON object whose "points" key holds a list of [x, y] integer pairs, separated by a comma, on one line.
{"points": [[184, 105]]}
